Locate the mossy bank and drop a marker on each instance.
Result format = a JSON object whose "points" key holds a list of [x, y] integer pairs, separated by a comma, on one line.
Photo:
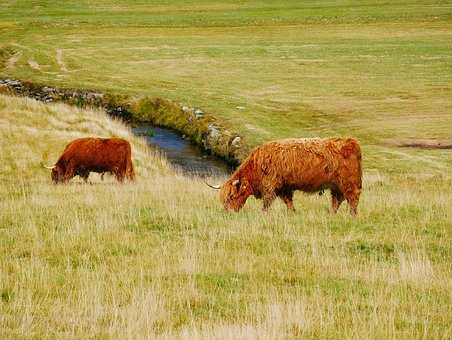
{"points": [[202, 128]]}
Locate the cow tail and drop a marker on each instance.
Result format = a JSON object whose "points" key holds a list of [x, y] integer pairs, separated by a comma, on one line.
{"points": [[359, 161], [130, 173]]}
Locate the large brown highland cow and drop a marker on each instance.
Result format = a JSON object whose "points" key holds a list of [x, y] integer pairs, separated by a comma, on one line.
{"points": [[278, 168], [85, 155]]}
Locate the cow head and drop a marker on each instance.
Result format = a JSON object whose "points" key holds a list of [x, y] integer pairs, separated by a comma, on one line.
{"points": [[57, 173], [234, 193]]}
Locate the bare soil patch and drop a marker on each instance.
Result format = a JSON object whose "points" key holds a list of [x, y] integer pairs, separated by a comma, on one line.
{"points": [[60, 61], [34, 64], [10, 64], [423, 143]]}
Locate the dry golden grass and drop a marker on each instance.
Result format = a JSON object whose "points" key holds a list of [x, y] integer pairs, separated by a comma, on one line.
{"points": [[160, 258]]}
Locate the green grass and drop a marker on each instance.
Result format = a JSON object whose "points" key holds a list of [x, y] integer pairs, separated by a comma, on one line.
{"points": [[371, 69], [160, 257]]}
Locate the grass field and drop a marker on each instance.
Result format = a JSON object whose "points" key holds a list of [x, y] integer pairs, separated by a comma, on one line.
{"points": [[371, 69], [160, 257]]}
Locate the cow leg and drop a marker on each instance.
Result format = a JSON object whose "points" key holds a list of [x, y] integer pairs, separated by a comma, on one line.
{"points": [[287, 197], [85, 176], [70, 172], [102, 175], [268, 199], [119, 177], [336, 199], [353, 200], [119, 174]]}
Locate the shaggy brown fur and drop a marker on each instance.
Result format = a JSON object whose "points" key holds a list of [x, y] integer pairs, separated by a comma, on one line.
{"points": [[85, 155], [278, 168]]}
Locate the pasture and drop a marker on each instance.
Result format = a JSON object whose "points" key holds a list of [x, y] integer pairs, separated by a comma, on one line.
{"points": [[160, 257]]}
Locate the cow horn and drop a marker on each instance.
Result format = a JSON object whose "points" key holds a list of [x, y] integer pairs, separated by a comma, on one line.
{"points": [[216, 187], [49, 167]]}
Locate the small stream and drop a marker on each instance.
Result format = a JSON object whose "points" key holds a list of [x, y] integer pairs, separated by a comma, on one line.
{"points": [[182, 153]]}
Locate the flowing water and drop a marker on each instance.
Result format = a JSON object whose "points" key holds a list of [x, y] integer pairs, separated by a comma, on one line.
{"points": [[182, 153]]}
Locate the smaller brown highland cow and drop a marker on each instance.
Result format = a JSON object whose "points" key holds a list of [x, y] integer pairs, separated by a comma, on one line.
{"points": [[85, 155], [278, 168]]}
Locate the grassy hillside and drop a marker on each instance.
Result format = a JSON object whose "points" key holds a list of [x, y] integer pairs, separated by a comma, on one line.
{"points": [[161, 257], [372, 69]]}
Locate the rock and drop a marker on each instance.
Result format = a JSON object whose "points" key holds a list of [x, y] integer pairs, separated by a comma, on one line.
{"points": [[186, 109], [236, 142], [11, 82], [198, 113], [213, 132], [212, 137]]}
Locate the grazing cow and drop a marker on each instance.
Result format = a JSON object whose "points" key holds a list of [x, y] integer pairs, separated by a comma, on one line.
{"points": [[85, 155], [278, 168]]}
